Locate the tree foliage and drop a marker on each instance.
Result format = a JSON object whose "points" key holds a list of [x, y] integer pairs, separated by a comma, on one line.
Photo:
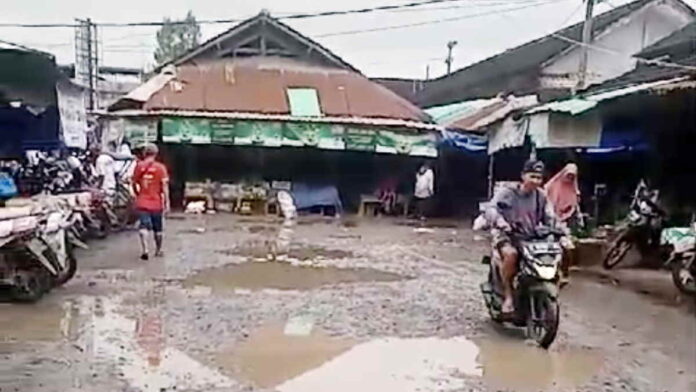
{"points": [[174, 38]]}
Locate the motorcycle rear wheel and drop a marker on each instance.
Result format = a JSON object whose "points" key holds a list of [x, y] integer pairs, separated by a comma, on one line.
{"points": [[617, 252], [683, 279], [36, 285], [542, 322]]}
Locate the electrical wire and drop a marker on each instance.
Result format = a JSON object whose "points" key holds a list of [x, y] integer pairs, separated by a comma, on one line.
{"points": [[661, 63], [618, 53], [223, 21], [437, 21]]}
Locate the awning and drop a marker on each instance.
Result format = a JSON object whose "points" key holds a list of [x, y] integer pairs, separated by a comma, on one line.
{"points": [[477, 114], [578, 105]]}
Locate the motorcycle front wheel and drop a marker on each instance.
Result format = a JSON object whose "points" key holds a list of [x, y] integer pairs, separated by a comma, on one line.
{"points": [[543, 319], [71, 266], [683, 277], [618, 250]]}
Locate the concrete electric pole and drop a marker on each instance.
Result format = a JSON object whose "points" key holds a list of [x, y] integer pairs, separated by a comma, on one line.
{"points": [[449, 59], [586, 40], [87, 58]]}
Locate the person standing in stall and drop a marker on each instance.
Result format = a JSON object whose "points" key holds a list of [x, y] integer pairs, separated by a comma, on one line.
{"points": [[424, 191]]}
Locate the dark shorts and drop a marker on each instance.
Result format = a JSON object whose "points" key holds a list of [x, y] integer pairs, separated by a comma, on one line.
{"points": [[150, 220]]}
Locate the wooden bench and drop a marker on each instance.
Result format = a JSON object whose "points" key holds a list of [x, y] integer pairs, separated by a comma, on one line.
{"points": [[369, 205]]}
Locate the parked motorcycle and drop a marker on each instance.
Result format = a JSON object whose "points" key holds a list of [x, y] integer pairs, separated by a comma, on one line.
{"points": [[535, 286], [27, 274], [36, 247], [641, 227], [682, 256]]}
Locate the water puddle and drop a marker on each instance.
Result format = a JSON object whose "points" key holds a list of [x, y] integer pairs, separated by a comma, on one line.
{"points": [[138, 348], [256, 229], [305, 253], [394, 364], [250, 249], [513, 365], [262, 250], [270, 356], [42, 321], [282, 276]]}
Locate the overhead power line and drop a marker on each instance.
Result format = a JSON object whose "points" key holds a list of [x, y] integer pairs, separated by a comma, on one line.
{"points": [[367, 10], [444, 20], [223, 21], [661, 63]]}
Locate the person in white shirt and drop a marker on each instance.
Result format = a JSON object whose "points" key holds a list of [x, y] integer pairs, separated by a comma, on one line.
{"points": [[425, 189], [105, 172], [125, 160]]}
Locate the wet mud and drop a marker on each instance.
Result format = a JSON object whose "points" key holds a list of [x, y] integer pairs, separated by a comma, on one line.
{"points": [[282, 276], [194, 322]]}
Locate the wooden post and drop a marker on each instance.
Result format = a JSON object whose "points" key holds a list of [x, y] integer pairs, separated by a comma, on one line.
{"points": [[491, 175]]}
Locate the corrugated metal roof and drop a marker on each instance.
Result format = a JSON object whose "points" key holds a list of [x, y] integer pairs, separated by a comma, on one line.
{"points": [[143, 92], [374, 121], [488, 77], [580, 105], [258, 85], [477, 114], [447, 114]]}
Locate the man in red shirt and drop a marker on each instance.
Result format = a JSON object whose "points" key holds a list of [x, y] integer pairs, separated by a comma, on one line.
{"points": [[151, 187]]}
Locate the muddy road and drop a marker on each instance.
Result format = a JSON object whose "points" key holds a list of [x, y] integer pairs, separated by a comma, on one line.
{"points": [[244, 304]]}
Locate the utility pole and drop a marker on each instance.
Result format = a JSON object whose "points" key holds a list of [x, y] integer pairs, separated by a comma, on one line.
{"points": [[586, 40], [87, 58], [90, 69], [449, 59]]}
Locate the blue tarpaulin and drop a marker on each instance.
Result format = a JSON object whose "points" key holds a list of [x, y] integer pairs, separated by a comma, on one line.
{"points": [[622, 134], [22, 130], [465, 141], [313, 195]]}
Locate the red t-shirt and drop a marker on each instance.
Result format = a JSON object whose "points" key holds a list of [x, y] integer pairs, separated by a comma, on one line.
{"points": [[150, 177]]}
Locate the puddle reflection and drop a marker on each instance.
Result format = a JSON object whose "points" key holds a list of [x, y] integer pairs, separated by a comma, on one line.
{"points": [[512, 364], [269, 356]]}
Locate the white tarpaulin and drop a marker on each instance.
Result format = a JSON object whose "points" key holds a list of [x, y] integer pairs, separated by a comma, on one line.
{"points": [[511, 133], [547, 130], [73, 115]]}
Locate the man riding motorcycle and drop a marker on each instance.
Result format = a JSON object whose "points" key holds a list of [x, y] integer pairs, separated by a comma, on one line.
{"points": [[515, 213]]}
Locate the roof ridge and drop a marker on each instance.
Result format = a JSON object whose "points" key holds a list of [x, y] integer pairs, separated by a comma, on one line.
{"points": [[264, 15]]}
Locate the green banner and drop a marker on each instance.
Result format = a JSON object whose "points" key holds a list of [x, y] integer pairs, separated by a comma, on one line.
{"points": [[359, 139], [324, 136], [186, 130], [259, 133], [390, 142], [222, 132], [139, 131], [296, 134]]}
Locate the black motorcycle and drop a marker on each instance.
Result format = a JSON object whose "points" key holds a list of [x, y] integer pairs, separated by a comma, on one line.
{"points": [[535, 286], [641, 228]]}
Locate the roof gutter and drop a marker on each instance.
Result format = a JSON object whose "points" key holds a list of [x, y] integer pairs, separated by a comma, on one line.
{"points": [[388, 122]]}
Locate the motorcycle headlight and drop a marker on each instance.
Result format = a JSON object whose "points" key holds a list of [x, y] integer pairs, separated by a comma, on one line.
{"points": [[546, 272]]}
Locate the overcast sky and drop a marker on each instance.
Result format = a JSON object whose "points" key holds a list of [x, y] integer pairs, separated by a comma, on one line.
{"points": [[481, 28]]}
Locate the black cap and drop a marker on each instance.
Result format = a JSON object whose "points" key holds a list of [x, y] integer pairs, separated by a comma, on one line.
{"points": [[533, 166]]}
